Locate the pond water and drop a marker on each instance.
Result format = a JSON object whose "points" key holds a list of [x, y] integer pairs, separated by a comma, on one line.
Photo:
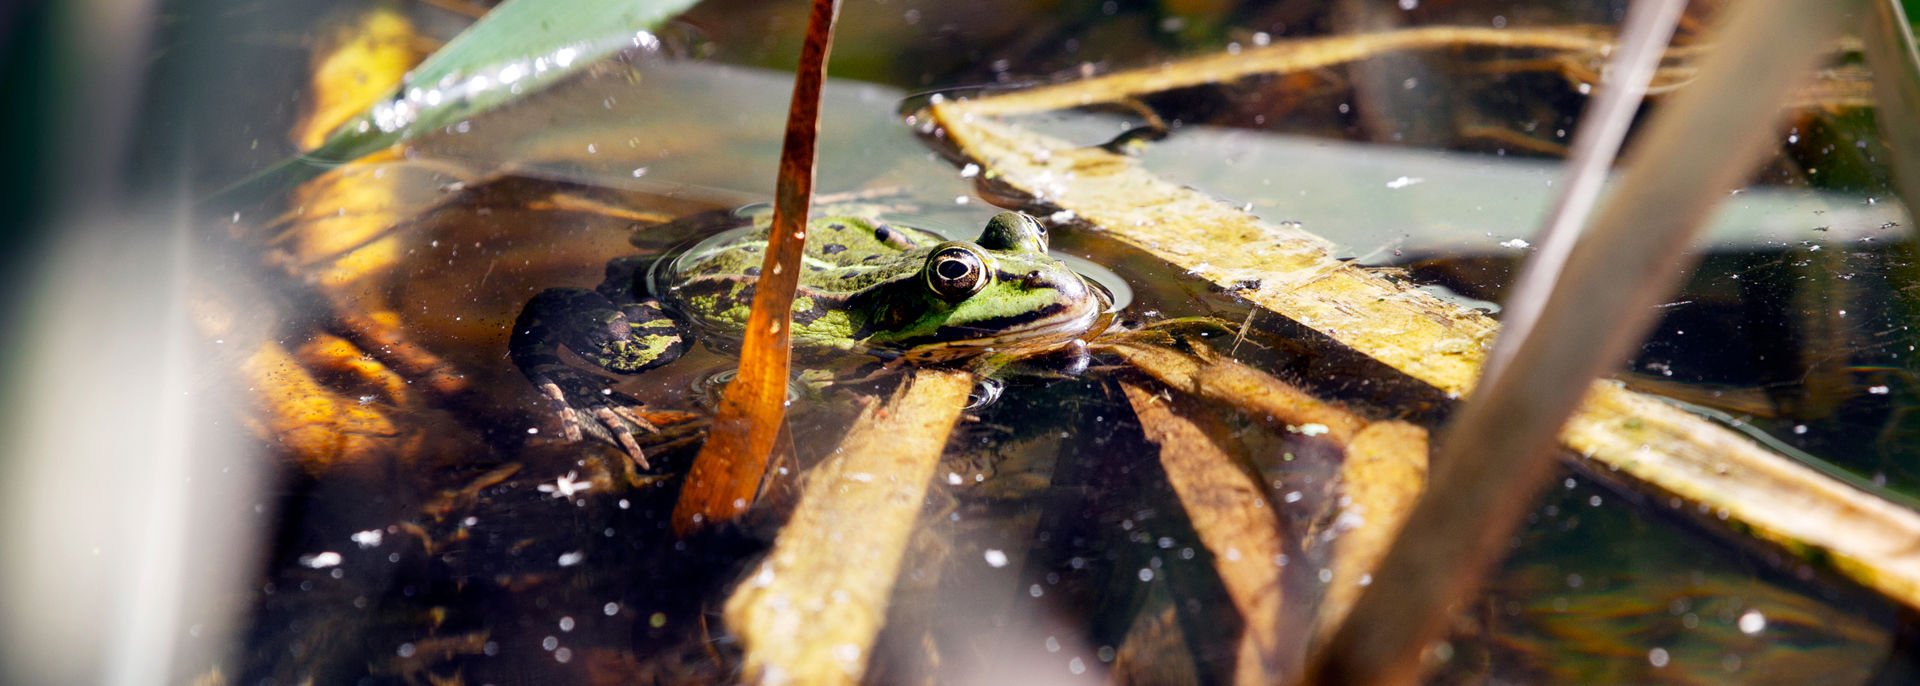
{"points": [[450, 536]]}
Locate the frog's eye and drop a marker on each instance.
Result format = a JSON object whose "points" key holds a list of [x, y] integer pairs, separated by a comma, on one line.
{"points": [[1014, 231], [955, 272]]}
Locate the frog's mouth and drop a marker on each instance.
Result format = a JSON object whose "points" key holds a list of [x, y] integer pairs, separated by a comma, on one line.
{"points": [[1036, 331]]}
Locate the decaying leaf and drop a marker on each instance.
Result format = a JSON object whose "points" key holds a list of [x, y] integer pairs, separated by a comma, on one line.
{"points": [[1384, 474], [1235, 522]]}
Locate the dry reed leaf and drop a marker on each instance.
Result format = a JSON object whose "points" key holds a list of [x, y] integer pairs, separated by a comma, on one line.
{"points": [[1283, 58]]}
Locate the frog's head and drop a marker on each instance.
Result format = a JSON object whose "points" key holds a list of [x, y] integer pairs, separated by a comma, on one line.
{"points": [[999, 292]]}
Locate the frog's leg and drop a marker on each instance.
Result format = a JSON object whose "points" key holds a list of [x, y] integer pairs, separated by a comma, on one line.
{"points": [[620, 337]]}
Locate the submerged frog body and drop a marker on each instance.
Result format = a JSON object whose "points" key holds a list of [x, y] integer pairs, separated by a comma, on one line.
{"points": [[866, 287]]}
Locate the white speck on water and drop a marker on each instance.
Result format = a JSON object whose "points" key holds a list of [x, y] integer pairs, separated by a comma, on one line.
{"points": [[1313, 429], [1409, 5], [570, 559], [533, 430], [996, 558], [961, 200], [1404, 182], [368, 538], [1657, 657], [969, 171], [1293, 496], [1077, 666], [954, 479], [1878, 390], [1061, 217], [1752, 622], [1516, 244], [566, 624], [565, 486], [610, 609], [320, 560]]}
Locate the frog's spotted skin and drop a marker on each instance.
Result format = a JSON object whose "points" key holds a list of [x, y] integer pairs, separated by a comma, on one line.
{"points": [[866, 286], [608, 326]]}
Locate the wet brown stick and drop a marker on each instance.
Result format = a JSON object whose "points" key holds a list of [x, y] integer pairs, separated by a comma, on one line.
{"points": [[727, 474]]}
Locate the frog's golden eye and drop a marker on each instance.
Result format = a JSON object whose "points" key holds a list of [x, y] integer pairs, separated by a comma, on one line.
{"points": [[955, 272]]}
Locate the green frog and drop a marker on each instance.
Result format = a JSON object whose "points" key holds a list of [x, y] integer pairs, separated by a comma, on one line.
{"points": [[868, 287]]}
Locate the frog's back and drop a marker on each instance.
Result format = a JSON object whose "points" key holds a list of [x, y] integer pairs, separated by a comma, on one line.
{"points": [[845, 255], [842, 241]]}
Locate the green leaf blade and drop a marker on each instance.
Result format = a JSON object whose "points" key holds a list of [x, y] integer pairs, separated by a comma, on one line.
{"points": [[518, 49]]}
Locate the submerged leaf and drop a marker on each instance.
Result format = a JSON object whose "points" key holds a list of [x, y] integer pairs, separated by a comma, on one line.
{"points": [[811, 610]]}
